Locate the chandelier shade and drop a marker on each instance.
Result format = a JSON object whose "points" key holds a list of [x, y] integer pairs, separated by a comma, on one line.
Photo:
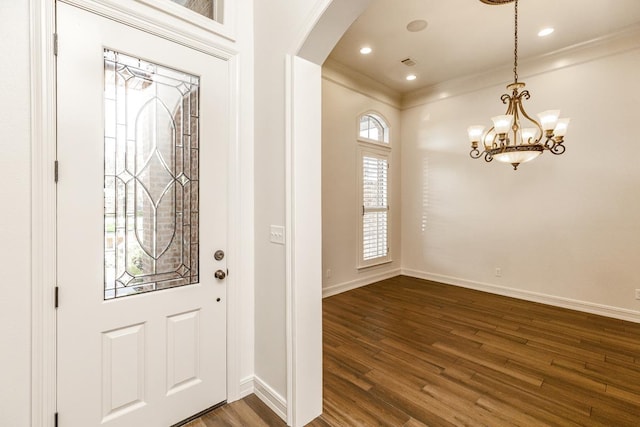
{"points": [[516, 137]]}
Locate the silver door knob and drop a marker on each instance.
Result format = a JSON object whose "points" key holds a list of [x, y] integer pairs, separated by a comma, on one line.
{"points": [[220, 274]]}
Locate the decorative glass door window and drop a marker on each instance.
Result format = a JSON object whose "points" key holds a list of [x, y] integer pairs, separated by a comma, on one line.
{"points": [[151, 176]]}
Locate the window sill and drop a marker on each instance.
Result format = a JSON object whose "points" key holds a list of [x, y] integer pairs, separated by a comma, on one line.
{"points": [[362, 267], [374, 143]]}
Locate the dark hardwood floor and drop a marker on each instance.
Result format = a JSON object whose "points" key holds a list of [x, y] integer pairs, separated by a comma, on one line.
{"points": [[408, 352]]}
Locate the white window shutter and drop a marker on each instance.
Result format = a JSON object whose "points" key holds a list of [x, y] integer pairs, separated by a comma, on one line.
{"points": [[375, 207]]}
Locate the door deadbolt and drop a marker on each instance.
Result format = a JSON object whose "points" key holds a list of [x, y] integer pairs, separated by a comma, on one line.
{"points": [[220, 274], [218, 255]]}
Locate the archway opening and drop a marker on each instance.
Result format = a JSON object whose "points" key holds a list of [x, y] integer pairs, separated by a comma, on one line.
{"points": [[304, 205]]}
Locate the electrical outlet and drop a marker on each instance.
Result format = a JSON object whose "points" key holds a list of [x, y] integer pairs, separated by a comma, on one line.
{"points": [[276, 234], [328, 273], [637, 293], [498, 272]]}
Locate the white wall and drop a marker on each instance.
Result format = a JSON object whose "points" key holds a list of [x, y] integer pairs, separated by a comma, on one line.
{"points": [[278, 25], [309, 28], [304, 220], [15, 226], [342, 104], [245, 232], [563, 229]]}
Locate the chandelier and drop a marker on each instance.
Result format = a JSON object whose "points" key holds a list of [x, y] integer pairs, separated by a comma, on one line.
{"points": [[515, 137]]}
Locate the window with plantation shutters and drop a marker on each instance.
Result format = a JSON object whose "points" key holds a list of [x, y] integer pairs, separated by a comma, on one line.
{"points": [[374, 151], [375, 207]]}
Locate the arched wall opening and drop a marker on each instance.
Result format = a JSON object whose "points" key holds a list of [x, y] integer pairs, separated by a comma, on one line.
{"points": [[304, 205]]}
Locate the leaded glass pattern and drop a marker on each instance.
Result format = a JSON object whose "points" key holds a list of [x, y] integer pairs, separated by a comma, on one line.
{"points": [[151, 184]]}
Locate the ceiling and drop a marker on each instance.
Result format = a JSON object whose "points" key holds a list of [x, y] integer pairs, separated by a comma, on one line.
{"points": [[465, 37]]}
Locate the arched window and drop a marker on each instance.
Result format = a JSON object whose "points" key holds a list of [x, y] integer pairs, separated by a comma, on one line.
{"points": [[373, 128], [373, 182]]}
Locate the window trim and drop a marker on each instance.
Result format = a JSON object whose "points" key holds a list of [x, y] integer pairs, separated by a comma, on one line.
{"points": [[381, 152]]}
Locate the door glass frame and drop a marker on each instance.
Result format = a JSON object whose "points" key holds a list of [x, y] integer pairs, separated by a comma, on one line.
{"points": [[151, 176]]}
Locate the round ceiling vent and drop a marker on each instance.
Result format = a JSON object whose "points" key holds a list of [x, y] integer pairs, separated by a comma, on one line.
{"points": [[496, 2], [417, 25]]}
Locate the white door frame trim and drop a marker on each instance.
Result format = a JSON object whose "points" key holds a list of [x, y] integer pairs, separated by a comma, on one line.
{"points": [[43, 188], [43, 212], [303, 261]]}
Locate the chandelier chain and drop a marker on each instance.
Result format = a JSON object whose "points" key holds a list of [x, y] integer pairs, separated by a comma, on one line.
{"points": [[515, 49]]}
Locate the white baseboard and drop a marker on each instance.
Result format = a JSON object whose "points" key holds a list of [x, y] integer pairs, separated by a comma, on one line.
{"points": [[270, 397], [246, 387], [584, 306], [358, 283]]}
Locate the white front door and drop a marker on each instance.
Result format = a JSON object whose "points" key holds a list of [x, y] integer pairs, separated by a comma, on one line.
{"points": [[142, 209]]}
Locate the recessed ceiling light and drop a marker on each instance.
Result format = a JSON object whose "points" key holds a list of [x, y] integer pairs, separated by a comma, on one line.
{"points": [[365, 50], [545, 32], [417, 25], [411, 77]]}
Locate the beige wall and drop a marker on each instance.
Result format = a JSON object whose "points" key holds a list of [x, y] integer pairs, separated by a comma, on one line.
{"points": [[564, 227], [278, 26], [15, 225], [341, 107]]}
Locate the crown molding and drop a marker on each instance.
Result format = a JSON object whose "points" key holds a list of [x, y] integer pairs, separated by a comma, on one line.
{"points": [[625, 40], [344, 76]]}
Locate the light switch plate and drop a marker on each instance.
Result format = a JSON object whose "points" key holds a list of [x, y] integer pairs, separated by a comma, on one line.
{"points": [[276, 234]]}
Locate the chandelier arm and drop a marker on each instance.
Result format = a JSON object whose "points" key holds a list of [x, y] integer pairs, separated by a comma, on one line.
{"points": [[557, 148], [512, 108], [549, 143], [524, 94], [475, 153], [535, 122], [484, 139], [487, 157]]}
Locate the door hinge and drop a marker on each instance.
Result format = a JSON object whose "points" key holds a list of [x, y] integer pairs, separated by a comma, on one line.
{"points": [[55, 171], [55, 44], [55, 299], [55, 419]]}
